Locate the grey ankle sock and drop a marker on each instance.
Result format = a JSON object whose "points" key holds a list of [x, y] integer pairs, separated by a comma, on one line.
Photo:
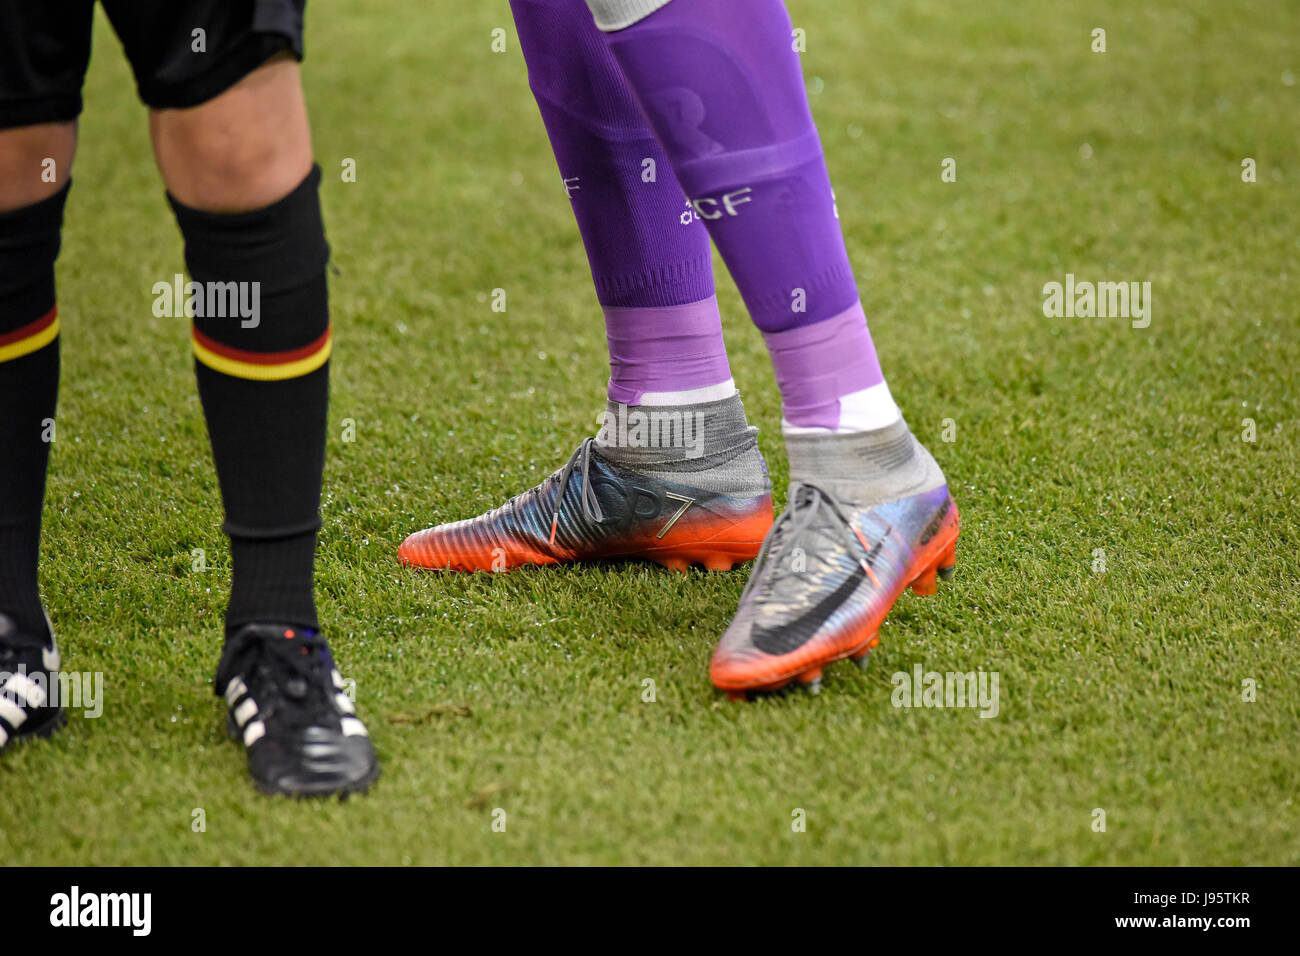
{"points": [[710, 445], [865, 468], [636, 435]]}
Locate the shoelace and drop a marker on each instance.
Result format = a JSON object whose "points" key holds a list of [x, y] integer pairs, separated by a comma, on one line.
{"points": [[590, 503], [804, 504], [298, 670]]}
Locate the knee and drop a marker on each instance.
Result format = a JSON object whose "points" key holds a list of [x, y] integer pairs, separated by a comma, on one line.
{"points": [[227, 170], [243, 150], [35, 162]]}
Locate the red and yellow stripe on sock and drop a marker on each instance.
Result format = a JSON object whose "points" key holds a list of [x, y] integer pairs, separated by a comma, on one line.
{"points": [[31, 337], [263, 366]]}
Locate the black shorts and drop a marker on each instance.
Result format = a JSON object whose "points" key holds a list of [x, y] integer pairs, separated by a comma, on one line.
{"points": [[45, 48]]}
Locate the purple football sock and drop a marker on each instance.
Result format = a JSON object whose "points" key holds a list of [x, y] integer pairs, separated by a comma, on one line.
{"points": [[650, 258], [817, 365], [664, 349], [724, 92]]}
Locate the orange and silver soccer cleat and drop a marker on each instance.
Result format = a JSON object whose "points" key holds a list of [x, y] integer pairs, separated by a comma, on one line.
{"points": [[828, 575], [711, 511]]}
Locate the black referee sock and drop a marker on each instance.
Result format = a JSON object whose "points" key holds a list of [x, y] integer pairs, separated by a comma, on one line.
{"points": [[29, 385], [262, 360]]}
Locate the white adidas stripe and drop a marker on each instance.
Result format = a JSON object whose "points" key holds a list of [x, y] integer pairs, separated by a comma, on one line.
{"points": [[235, 690], [354, 728], [344, 703], [33, 694], [245, 710], [254, 732], [11, 713]]}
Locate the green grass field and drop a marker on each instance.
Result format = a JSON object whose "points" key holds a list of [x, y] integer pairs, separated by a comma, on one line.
{"points": [[1120, 690]]}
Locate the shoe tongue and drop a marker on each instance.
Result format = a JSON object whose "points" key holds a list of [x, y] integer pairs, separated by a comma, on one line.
{"points": [[303, 638], [13, 639], [284, 635], [10, 634], [298, 643], [268, 630], [290, 639]]}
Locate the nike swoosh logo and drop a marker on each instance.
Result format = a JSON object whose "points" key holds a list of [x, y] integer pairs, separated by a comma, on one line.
{"points": [[789, 637]]}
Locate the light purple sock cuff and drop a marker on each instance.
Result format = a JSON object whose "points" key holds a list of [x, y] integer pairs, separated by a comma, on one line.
{"points": [[817, 364], [664, 349]]}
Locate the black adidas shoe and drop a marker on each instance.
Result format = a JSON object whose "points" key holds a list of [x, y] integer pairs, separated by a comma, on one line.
{"points": [[287, 704], [29, 667]]}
